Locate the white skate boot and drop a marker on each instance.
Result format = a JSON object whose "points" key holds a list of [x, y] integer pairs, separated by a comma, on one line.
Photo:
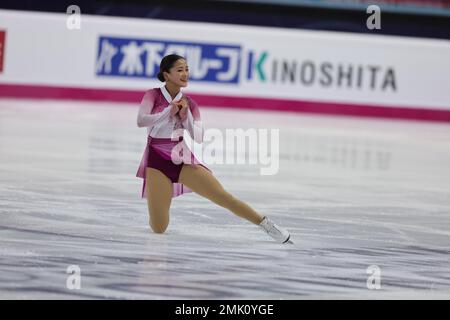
{"points": [[278, 233]]}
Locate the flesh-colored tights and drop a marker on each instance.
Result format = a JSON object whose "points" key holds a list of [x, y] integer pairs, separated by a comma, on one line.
{"points": [[199, 180]]}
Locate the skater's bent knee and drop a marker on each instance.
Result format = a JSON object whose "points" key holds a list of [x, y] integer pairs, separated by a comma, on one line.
{"points": [[158, 229]]}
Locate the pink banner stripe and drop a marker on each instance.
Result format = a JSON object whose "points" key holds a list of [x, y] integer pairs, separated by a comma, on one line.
{"points": [[135, 96]]}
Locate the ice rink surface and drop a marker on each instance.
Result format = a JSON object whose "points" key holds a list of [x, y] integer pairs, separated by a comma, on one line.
{"points": [[354, 193]]}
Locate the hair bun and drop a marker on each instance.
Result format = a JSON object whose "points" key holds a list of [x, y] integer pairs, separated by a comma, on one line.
{"points": [[160, 77]]}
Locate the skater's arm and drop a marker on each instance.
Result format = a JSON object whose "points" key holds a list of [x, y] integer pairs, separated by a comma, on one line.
{"points": [[194, 127], [193, 122], [145, 118]]}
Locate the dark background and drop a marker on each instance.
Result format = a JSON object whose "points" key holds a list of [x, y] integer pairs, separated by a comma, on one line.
{"points": [[253, 13]]}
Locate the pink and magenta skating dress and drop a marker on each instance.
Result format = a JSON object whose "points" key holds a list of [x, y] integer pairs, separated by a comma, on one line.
{"points": [[166, 149]]}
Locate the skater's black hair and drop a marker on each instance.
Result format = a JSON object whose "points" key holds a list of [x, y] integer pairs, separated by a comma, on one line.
{"points": [[166, 64]]}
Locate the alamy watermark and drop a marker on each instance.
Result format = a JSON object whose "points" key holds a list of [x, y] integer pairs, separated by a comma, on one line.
{"points": [[73, 21], [74, 279], [374, 20], [237, 146], [374, 279]]}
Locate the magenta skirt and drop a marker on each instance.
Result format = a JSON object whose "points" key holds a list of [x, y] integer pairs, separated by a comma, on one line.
{"points": [[168, 157], [163, 156]]}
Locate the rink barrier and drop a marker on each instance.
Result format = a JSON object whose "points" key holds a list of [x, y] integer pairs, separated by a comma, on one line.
{"points": [[267, 104]]}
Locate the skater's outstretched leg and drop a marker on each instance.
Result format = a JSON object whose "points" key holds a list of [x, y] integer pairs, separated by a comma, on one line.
{"points": [[202, 182], [205, 184]]}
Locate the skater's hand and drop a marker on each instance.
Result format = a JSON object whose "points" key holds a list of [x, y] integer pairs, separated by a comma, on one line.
{"points": [[174, 109], [184, 108], [183, 113]]}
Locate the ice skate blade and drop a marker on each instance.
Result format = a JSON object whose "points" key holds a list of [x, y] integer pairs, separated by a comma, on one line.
{"points": [[289, 240]]}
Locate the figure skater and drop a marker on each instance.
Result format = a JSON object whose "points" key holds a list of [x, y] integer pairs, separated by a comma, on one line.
{"points": [[168, 173]]}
